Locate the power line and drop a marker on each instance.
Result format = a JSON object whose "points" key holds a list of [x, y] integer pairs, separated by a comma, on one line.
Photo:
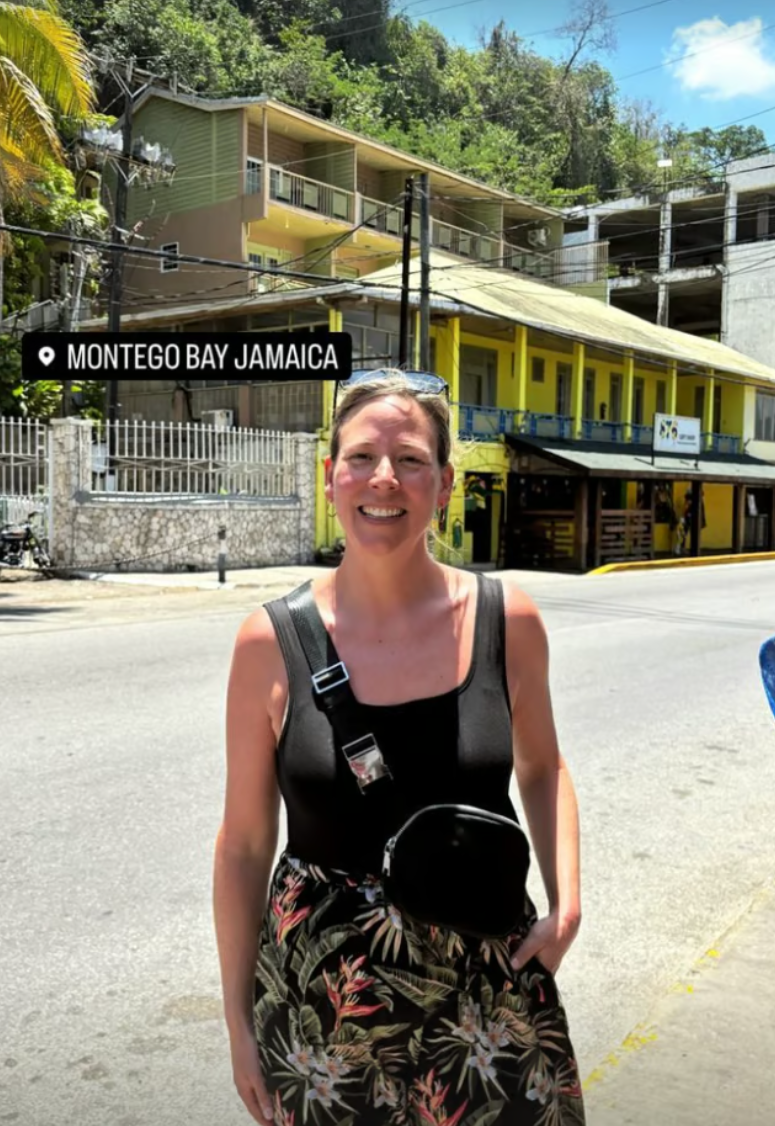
{"points": [[143, 252]]}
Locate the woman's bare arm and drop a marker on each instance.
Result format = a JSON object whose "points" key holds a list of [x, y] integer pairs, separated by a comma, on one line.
{"points": [[247, 838], [545, 785]]}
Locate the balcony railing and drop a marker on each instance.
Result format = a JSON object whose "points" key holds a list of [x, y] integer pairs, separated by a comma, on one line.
{"points": [[466, 244], [594, 431], [487, 423], [721, 443], [389, 219], [565, 265], [301, 191]]}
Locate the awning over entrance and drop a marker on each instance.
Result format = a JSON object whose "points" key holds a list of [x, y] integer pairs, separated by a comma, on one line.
{"points": [[574, 504], [634, 463]]}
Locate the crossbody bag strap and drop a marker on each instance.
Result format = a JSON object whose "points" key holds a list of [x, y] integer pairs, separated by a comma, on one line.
{"points": [[332, 691]]}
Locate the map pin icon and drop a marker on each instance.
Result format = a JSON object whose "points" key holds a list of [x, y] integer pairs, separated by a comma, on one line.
{"points": [[46, 355]]}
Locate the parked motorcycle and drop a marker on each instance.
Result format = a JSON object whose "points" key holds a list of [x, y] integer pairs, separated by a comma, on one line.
{"points": [[20, 542]]}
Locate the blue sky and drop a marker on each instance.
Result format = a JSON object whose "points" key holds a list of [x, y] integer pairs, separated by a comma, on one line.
{"points": [[724, 52]]}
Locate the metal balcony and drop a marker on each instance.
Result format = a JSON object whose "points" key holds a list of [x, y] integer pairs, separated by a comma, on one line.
{"points": [[301, 191]]}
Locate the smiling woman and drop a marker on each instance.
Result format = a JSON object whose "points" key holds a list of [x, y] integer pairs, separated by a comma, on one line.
{"points": [[338, 998]]}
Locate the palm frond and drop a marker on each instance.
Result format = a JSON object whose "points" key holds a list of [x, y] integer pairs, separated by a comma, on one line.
{"points": [[50, 53]]}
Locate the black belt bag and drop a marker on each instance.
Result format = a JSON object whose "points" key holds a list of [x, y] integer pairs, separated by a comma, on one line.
{"points": [[452, 866]]}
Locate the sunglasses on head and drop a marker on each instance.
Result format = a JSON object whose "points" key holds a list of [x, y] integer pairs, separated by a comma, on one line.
{"points": [[423, 382]]}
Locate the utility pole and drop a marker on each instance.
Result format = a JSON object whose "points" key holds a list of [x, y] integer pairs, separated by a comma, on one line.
{"points": [[119, 227], [403, 345], [425, 272]]}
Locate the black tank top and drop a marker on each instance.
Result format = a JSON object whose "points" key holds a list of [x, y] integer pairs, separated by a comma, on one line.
{"points": [[455, 747]]}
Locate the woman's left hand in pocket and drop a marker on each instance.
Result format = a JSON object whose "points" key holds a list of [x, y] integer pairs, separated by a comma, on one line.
{"points": [[548, 940]]}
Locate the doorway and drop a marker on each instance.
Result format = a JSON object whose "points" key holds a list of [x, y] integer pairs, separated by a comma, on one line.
{"points": [[483, 514]]}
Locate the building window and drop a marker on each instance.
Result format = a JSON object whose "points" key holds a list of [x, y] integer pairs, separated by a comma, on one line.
{"points": [[661, 396], [376, 336], [588, 407], [699, 402], [764, 429], [538, 369], [638, 396], [478, 376], [165, 264], [717, 409], [562, 401]]}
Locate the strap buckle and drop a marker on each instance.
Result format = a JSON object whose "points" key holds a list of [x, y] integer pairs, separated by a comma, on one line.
{"points": [[329, 678], [365, 761]]}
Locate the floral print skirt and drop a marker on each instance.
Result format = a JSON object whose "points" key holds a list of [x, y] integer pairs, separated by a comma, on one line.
{"points": [[363, 1017]]}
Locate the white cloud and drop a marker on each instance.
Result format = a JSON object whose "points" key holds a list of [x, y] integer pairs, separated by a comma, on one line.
{"points": [[722, 61]]}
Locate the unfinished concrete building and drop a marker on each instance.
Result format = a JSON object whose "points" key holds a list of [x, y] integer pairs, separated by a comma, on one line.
{"points": [[699, 258]]}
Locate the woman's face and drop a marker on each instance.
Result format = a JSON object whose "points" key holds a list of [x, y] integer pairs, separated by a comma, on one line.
{"points": [[386, 482]]}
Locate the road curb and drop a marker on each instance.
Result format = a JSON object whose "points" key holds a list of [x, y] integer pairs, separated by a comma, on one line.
{"points": [[684, 561]]}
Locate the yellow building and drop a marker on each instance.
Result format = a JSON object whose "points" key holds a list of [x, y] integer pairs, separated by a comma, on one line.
{"points": [[555, 391], [554, 399]]}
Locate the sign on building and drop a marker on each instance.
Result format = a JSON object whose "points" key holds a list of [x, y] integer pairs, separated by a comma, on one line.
{"points": [[675, 434]]}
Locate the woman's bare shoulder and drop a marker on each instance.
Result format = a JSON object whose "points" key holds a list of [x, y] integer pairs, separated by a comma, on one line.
{"points": [[519, 606], [526, 639], [257, 646]]}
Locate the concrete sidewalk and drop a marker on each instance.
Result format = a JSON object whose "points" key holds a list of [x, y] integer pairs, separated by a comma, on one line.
{"points": [[286, 577], [704, 1056]]}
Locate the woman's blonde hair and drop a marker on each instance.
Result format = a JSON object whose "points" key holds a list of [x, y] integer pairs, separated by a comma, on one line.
{"points": [[389, 381]]}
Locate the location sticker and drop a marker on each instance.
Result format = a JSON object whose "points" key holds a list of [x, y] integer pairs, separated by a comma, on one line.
{"points": [[46, 355]]}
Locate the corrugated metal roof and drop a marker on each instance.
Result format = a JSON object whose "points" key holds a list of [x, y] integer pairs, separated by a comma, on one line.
{"points": [[634, 463], [514, 297]]}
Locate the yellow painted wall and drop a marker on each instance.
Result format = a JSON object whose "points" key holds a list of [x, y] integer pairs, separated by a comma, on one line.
{"points": [[686, 386], [542, 397], [470, 457], [719, 501], [733, 409]]}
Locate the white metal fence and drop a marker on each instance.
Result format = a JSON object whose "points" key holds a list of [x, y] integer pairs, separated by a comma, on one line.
{"points": [[186, 460], [24, 469]]}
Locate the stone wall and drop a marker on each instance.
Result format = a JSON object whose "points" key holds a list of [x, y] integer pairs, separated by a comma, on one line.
{"points": [[95, 531]]}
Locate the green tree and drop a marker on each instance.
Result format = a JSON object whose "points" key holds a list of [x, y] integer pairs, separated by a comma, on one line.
{"points": [[716, 147], [208, 44], [43, 76], [54, 206]]}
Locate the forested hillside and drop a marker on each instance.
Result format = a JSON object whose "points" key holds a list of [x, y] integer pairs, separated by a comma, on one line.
{"points": [[556, 130]]}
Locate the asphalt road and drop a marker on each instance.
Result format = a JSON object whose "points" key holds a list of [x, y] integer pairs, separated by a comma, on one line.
{"points": [[111, 773]]}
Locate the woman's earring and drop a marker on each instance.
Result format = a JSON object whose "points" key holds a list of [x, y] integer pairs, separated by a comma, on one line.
{"points": [[330, 510]]}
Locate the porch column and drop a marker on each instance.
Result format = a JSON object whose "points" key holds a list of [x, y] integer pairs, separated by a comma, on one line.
{"points": [[581, 523], [448, 364], [265, 164], [627, 394], [672, 387], [707, 411], [738, 518], [520, 365], [577, 389]]}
